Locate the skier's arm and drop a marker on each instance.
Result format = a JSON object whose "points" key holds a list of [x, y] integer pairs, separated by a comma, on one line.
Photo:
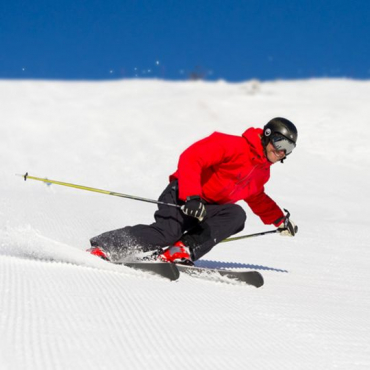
{"points": [[264, 207]]}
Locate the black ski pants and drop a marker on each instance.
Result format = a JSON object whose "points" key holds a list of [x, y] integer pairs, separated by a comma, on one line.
{"points": [[171, 225]]}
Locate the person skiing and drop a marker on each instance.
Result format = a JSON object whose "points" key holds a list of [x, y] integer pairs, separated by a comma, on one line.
{"points": [[212, 175]]}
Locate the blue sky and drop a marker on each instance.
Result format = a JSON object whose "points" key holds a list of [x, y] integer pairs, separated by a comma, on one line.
{"points": [[217, 39]]}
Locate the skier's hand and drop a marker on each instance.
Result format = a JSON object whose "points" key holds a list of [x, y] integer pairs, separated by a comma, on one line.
{"points": [[288, 227], [194, 207]]}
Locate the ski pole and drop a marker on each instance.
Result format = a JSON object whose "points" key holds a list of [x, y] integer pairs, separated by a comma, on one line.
{"points": [[264, 232], [252, 235], [108, 192]]}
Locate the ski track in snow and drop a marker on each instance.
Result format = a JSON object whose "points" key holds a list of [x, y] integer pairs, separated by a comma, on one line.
{"points": [[61, 308]]}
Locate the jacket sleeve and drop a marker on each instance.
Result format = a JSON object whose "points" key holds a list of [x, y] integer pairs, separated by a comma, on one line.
{"points": [[264, 207], [203, 154]]}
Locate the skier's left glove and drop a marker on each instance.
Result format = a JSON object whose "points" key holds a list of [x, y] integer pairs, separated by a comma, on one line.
{"points": [[194, 207], [288, 227]]}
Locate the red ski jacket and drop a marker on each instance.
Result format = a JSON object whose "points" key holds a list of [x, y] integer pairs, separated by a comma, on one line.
{"points": [[225, 169]]}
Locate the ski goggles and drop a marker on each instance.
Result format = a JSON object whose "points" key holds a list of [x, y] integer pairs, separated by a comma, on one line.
{"points": [[280, 142]]}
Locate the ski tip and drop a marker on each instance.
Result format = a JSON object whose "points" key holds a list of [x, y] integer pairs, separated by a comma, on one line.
{"points": [[259, 280], [175, 273], [254, 278]]}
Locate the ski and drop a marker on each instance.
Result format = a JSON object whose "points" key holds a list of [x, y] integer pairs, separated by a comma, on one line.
{"points": [[249, 277], [166, 270], [172, 271]]}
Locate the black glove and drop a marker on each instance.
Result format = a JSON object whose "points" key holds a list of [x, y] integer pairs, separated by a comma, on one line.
{"points": [[288, 227], [194, 207]]}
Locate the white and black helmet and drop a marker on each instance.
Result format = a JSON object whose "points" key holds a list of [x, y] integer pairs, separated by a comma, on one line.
{"points": [[281, 133]]}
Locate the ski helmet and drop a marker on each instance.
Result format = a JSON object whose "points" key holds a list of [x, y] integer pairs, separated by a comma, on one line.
{"points": [[281, 133]]}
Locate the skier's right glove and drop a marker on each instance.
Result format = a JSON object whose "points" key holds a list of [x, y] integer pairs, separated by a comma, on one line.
{"points": [[194, 207]]}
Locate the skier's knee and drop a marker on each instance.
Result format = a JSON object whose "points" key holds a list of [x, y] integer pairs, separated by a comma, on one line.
{"points": [[239, 216]]}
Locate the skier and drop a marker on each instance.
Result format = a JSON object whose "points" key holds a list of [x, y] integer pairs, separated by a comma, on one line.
{"points": [[213, 174]]}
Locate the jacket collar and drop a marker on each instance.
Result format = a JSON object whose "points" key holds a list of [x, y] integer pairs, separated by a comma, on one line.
{"points": [[253, 138]]}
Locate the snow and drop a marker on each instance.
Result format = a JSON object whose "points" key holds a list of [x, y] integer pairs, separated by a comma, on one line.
{"points": [[61, 308]]}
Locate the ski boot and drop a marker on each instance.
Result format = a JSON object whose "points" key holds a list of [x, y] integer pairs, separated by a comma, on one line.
{"points": [[99, 252], [178, 253]]}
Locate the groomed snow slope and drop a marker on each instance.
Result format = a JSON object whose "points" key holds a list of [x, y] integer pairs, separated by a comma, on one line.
{"points": [[61, 308]]}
